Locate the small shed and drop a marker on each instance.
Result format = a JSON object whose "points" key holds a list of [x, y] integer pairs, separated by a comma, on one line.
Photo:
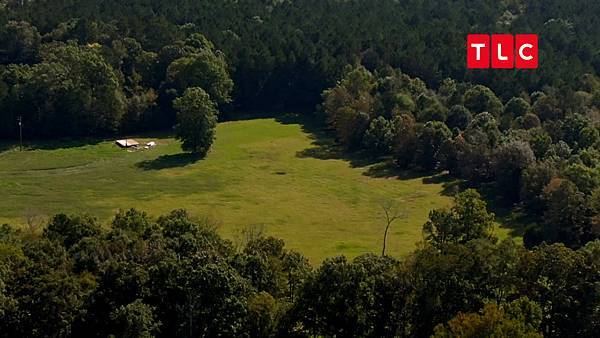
{"points": [[127, 143]]}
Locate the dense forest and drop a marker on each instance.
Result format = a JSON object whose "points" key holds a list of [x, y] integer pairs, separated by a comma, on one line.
{"points": [[281, 54], [175, 277], [386, 78]]}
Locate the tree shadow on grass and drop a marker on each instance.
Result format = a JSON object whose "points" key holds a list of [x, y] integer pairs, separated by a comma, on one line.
{"points": [[328, 150], [62, 143], [324, 146], [66, 142], [169, 161], [49, 144], [450, 185], [388, 169], [4, 146], [511, 216]]}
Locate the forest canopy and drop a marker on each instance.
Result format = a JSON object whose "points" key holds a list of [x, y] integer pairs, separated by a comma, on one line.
{"points": [[388, 81], [281, 54]]}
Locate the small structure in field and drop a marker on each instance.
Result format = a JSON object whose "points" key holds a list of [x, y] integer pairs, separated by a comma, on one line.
{"points": [[127, 143]]}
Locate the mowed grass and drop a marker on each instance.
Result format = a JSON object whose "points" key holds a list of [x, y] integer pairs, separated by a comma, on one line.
{"points": [[260, 172]]}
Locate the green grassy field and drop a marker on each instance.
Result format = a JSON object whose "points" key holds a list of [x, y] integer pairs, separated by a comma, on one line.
{"points": [[260, 172]]}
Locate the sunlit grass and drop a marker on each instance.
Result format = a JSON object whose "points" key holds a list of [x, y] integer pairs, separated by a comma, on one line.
{"points": [[260, 172]]}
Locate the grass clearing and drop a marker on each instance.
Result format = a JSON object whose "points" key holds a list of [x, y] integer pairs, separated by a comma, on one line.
{"points": [[260, 172]]}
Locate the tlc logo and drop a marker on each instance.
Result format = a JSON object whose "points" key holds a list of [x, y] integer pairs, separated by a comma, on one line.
{"points": [[505, 51]]}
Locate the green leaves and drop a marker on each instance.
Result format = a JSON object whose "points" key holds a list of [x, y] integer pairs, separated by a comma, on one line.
{"points": [[207, 70], [74, 92], [196, 121], [467, 220]]}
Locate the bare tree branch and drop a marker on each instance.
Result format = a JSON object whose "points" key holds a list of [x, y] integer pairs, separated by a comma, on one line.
{"points": [[392, 213]]}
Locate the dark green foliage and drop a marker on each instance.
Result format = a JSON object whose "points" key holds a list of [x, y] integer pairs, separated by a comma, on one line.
{"points": [[430, 109], [429, 141], [458, 117], [467, 220], [346, 298], [72, 92], [135, 320], [262, 315], [176, 277], [588, 137], [562, 282], [283, 54], [405, 139], [379, 137], [170, 277], [100, 68], [21, 42], [271, 268], [461, 278], [585, 178], [196, 121], [481, 99], [204, 69], [568, 216], [533, 181], [528, 121], [546, 108], [349, 106], [131, 220], [510, 159], [472, 150], [69, 230], [491, 322], [516, 107], [572, 127]]}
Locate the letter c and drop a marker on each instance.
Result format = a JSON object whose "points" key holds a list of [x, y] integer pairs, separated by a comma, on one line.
{"points": [[523, 56]]}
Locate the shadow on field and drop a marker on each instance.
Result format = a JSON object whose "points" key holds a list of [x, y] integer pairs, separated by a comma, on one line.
{"points": [[388, 169], [324, 146], [169, 161], [4, 146], [49, 144], [450, 184], [512, 216], [66, 143]]}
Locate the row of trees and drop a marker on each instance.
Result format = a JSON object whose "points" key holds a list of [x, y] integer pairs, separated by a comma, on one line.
{"points": [[63, 87], [174, 276], [282, 54], [540, 150]]}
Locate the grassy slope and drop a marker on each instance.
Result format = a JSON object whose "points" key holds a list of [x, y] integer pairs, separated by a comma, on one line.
{"points": [[259, 172]]}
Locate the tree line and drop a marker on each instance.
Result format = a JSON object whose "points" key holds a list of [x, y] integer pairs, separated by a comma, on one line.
{"points": [[84, 90], [126, 62], [539, 151], [175, 276]]}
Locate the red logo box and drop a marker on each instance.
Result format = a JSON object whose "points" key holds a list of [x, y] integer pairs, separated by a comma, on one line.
{"points": [[526, 47], [502, 51], [478, 51]]}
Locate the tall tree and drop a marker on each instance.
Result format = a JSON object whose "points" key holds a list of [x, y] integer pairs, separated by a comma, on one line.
{"points": [[196, 121], [467, 220]]}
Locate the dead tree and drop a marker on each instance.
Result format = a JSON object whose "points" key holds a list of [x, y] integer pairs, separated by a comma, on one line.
{"points": [[392, 213]]}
